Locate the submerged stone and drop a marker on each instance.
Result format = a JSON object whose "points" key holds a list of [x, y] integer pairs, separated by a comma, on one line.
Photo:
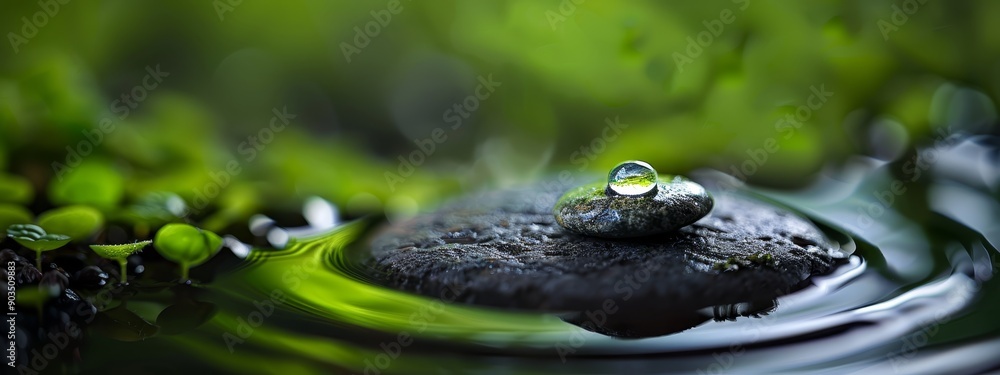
{"points": [[505, 249], [591, 210]]}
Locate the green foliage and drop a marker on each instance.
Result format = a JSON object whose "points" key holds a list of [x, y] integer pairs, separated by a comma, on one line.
{"points": [[120, 251], [186, 245], [237, 204], [93, 183], [15, 189], [35, 238], [632, 60], [77, 222]]}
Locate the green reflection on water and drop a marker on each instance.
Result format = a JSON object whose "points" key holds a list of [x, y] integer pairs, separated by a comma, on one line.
{"points": [[315, 296]]}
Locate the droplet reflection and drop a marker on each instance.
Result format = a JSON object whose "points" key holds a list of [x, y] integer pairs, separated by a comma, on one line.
{"points": [[632, 178]]}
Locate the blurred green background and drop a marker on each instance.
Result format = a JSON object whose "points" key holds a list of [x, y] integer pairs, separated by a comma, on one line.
{"points": [[693, 84]]}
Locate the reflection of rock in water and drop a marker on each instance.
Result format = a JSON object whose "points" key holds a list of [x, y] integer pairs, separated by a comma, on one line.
{"points": [[640, 320], [744, 309], [504, 249]]}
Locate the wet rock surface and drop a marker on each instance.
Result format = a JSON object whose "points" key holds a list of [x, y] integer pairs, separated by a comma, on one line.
{"points": [[590, 210], [505, 249]]}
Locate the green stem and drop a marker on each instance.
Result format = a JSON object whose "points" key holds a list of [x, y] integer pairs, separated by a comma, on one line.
{"points": [[184, 272], [124, 276], [38, 260]]}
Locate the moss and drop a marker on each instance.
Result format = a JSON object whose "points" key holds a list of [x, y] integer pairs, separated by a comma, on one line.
{"points": [[762, 259], [734, 263], [590, 210], [731, 264]]}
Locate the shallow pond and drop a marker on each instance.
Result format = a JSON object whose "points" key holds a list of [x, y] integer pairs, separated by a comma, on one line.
{"points": [[918, 295]]}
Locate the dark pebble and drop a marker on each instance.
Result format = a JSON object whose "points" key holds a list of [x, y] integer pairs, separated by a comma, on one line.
{"points": [[90, 277], [56, 280], [135, 266], [24, 270]]}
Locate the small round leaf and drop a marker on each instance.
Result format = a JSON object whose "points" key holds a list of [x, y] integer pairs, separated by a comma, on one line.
{"points": [[185, 244], [77, 222], [25, 231], [93, 183], [35, 238]]}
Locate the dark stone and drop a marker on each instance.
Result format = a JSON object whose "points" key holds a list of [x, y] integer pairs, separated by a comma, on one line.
{"points": [[72, 262], [135, 266], [55, 280], [90, 277], [24, 270], [589, 210], [504, 249]]}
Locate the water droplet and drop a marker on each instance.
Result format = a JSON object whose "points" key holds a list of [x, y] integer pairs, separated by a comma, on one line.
{"points": [[632, 177]]}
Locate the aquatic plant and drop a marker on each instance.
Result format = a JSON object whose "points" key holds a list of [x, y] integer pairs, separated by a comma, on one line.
{"points": [[186, 245]]}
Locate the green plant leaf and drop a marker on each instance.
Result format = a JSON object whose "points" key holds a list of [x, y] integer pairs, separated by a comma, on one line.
{"points": [[29, 231], [120, 251], [77, 222], [94, 183], [35, 238], [11, 214], [45, 243], [185, 244], [15, 189]]}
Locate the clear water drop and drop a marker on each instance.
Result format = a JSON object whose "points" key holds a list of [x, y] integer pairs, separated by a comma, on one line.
{"points": [[632, 177]]}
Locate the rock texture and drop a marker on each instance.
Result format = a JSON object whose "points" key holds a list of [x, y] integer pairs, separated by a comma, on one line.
{"points": [[588, 210], [505, 249]]}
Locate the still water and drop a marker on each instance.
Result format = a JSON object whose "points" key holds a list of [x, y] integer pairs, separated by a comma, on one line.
{"points": [[919, 294]]}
